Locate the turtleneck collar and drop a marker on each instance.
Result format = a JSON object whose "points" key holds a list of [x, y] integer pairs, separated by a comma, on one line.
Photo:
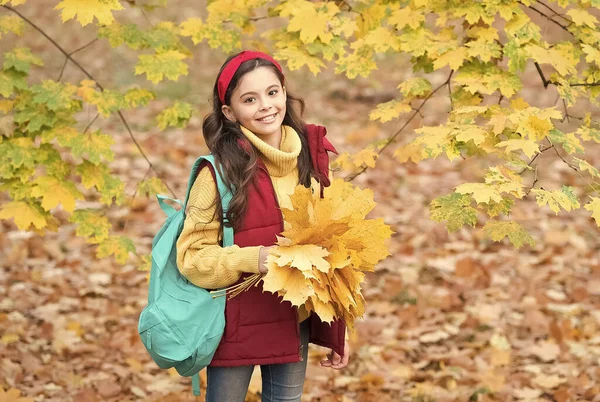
{"points": [[282, 161]]}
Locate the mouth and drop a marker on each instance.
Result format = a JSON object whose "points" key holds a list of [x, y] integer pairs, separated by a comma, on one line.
{"points": [[268, 119]]}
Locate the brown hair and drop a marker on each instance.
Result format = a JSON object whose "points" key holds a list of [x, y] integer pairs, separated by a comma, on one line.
{"points": [[236, 158]]}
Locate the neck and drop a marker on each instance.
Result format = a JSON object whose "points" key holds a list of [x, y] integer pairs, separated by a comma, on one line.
{"points": [[274, 139]]}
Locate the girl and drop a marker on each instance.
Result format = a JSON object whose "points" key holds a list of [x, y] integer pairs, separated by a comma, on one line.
{"points": [[264, 151]]}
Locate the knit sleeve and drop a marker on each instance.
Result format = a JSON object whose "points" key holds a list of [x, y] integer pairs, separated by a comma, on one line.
{"points": [[200, 258]]}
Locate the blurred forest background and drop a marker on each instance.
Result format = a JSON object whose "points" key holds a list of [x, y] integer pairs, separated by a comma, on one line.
{"points": [[450, 317]]}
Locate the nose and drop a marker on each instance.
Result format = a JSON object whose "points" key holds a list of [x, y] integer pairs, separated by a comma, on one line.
{"points": [[266, 105]]}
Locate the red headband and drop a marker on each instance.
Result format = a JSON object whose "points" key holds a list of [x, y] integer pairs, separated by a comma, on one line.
{"points": [[233, 65]]}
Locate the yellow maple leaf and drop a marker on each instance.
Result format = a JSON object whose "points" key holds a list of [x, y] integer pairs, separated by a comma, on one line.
{"points": [[304, 257], [320, 261], [287, 282], [389, 110], [536, 128], [13, 2], [24, 214], [454, 58], [594, 207], [582, 17], [87, 10], [325, 311], [481, 192], [410, 151], [54, 191], [528, 147], [310, 19]]}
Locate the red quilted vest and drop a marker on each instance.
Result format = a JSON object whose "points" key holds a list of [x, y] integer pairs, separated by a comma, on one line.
{"points": [[259, 327]]}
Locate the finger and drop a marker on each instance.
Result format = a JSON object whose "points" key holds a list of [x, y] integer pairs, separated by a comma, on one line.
{"points": [[336, 359], [326, 363]]}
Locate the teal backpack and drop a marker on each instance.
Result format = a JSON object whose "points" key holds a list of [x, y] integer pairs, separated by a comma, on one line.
{"points": [[182, 324]]}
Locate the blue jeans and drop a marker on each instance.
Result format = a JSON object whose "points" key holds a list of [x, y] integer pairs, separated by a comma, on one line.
{"points": [[280, 382]]}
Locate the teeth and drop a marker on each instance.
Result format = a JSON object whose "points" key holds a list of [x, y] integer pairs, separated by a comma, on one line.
{"points": [[271, 117]]}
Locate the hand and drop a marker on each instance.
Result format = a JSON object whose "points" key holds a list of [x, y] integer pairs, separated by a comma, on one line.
{"points": [[336, 361], [262, 259]]}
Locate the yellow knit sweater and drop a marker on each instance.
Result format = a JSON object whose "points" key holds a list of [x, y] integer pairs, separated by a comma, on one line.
{"points": [[200, 258]]}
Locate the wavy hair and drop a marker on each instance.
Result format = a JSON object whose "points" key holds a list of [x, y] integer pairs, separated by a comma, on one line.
{"points": [[236, 157]]}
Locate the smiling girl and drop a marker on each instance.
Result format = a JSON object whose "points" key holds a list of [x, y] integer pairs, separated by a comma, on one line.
{"points": [[263, 150]]}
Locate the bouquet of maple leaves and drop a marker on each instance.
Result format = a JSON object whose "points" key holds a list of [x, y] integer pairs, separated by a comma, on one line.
{"points": [[321, 257]]}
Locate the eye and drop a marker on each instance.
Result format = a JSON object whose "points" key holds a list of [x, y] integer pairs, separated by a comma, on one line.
{"points": [[273, 92], [248, 100]]}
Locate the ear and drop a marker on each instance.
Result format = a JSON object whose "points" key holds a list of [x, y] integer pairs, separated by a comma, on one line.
{"points": [[228, 112], [284, 92]]}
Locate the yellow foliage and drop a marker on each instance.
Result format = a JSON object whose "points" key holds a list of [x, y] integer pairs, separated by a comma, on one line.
{"points": [[320, 261], [87, 10], [24, 214]]}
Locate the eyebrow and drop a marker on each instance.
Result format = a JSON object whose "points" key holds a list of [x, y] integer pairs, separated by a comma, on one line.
{"points": [[254, 93]]}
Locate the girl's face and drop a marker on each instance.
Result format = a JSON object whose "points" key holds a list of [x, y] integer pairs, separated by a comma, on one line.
{"points": [[258, 103]]}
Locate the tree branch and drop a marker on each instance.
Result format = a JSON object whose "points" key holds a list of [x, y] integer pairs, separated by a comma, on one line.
{"points": [[541, 73], [548, 17], [87, 74], [393, 136]]}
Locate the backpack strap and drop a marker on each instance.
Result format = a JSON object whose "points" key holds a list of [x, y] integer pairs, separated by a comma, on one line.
{"points": [[224, 192], [196, 384]]}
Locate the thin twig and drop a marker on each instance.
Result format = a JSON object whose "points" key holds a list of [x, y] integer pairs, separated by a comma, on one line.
{"points": [[393, 136], [84, 71], [71, 54], [146, 15], [554, 12], [541, 73], [547, 16], [90, 124]]}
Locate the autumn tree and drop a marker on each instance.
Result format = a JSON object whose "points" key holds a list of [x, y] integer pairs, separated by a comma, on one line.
{"points": [[52, 159]]}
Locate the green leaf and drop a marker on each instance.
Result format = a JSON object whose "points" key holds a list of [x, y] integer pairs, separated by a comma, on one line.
{"points": [[112, 191], [54, 95], [497, 231], [496, 208], [11, 80], [119, 246], [25, 214], [454, 208], [415, 87], [19, 152], [585, 166], [177, 115], [137, 97], [556, 199], [166, 64], [93, 174], [92, 225], [568, 141], [34, 117], [93, 144], [21, 60], [151, 187]]}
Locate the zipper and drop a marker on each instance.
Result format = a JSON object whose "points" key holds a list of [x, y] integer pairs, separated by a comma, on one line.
{"points": [[298, 338]]}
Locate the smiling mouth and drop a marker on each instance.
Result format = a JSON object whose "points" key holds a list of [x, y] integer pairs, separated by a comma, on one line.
{"points": [[268, 118]]}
